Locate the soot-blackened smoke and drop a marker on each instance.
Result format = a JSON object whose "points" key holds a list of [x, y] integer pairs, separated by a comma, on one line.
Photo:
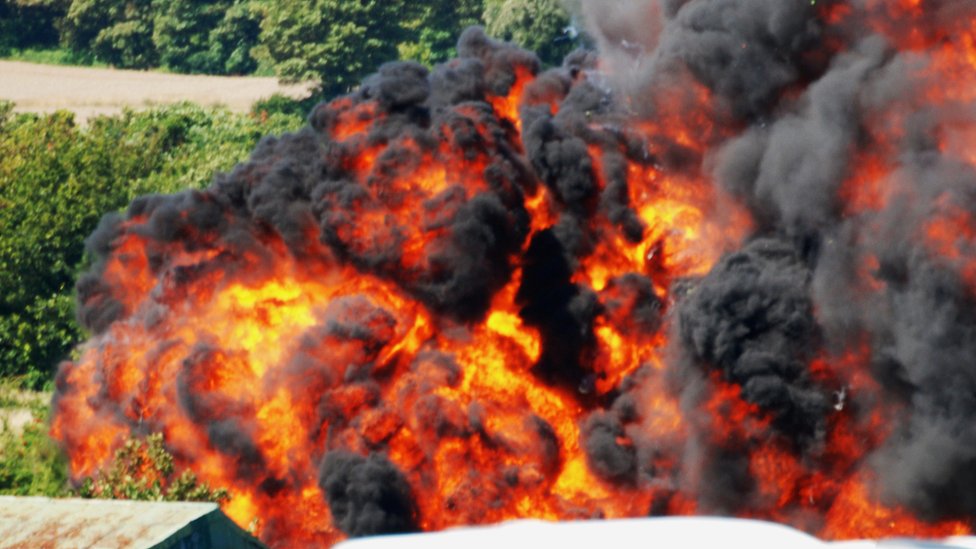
{"points": [[751, 319], [821, 92], [368, 496], [842, 135]]}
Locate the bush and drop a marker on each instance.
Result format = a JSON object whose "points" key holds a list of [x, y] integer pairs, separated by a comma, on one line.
{"points": [[31, 464], [281, 105], [57, 180], [142, 469]]}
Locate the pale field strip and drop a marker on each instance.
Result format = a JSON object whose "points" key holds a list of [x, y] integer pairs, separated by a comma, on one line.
{"points": [[91, 92]]}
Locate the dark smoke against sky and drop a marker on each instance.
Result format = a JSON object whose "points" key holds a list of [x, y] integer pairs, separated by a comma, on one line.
{"points": [[723, 265]]}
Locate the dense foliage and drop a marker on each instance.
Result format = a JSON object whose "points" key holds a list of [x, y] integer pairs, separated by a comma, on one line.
{"points": [[56, 181], [339, 40], [29, 23], [31, 464], [334, 42], [539, 25], [432, 28], [117, 32]]}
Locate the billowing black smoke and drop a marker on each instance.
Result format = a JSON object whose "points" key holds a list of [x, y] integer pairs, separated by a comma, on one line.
{"points": [[789, 107], [368, 496], [751, 319], [806, 102]]}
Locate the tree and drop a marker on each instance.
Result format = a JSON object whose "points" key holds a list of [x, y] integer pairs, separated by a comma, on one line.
{"points": [[30, 23], [232, 40], [435, 26], [206, 37], [333, 42], [181, 33], [537, 25], [118, 32]]}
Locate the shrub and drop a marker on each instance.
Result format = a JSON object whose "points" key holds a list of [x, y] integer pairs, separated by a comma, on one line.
{"points": [[280, 105], [31, 464], [142, 469]]}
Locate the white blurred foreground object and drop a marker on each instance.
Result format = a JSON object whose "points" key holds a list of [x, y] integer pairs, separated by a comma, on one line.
{"points": [[955, 542], [656, 533]]}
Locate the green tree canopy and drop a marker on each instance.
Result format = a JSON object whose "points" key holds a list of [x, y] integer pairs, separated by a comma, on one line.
{"points": [[119, 32], [335, 42], [232, 40], [181, 33], [434, 28], [206, 37], [537, 25], [29, 23]]}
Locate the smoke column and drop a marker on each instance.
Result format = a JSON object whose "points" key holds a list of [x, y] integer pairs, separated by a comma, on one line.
{"points": [[724, 264]]}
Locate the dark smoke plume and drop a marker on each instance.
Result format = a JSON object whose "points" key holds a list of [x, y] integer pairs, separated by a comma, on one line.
{"points": [[368, 496], [841, 311], [763, 313], [751, 319]]}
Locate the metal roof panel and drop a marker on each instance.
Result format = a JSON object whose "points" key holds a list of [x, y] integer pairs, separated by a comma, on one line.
{"points": [[37, 522]]}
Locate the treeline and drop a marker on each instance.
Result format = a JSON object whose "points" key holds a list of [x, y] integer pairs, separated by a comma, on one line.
{"points": [[335, 42], [58, 178]]}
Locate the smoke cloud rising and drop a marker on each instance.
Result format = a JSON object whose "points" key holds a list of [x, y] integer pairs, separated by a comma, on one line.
{"points": [[725, 262]]}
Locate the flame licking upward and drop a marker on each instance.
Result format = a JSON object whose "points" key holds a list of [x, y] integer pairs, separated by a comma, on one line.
{"points": [[490, 292]]}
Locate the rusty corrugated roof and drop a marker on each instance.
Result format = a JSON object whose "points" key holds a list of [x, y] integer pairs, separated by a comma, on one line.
{"points": [[45, 523]]}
